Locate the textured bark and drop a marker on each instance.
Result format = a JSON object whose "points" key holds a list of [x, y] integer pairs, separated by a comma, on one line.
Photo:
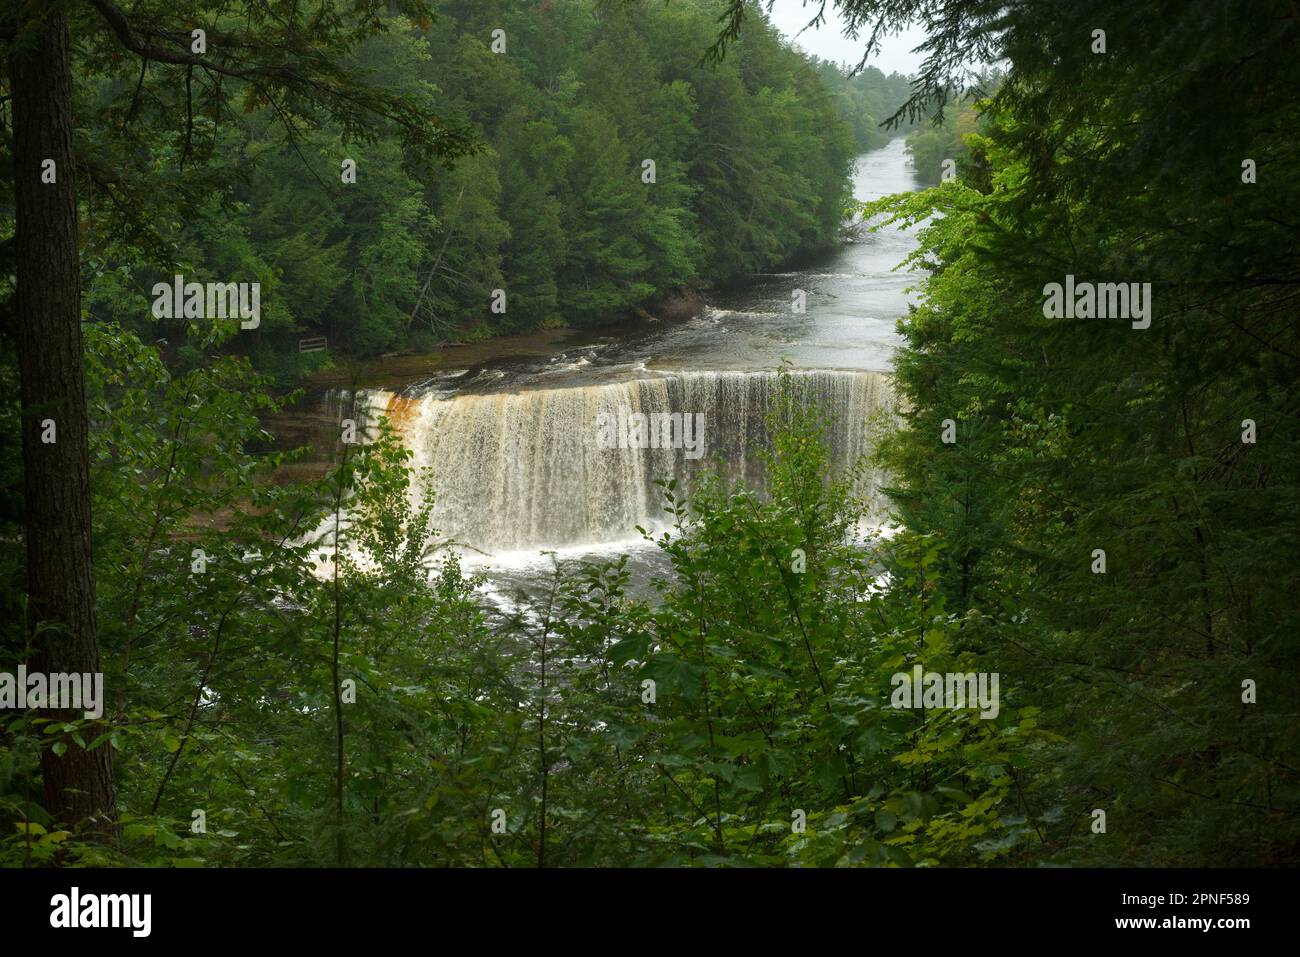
{"points": [[79, 787]]}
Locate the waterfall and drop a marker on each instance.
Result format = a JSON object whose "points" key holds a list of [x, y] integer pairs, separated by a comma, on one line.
{"points": [[527, 470]]}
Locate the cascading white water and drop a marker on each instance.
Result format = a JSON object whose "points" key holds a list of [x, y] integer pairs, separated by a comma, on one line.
{"points": [[522, 471], [526, 470]]}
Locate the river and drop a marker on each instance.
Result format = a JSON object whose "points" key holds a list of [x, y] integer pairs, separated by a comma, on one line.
{"points": [[511, 439]]}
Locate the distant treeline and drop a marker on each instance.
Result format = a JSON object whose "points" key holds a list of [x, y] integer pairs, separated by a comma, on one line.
{"points": [[609, 167], [957, 136], [866, 100]]}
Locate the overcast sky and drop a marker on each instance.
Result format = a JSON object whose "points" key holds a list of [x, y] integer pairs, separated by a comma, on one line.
{"points": [[829, 43]]}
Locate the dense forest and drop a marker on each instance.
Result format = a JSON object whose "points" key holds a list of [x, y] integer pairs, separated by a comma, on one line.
{"points": [[403, 248], [1113, 519], [1103, 512]]}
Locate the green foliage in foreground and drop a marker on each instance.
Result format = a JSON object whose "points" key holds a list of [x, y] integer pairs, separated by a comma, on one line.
{"points": [[364, 716], [1173, 674]]}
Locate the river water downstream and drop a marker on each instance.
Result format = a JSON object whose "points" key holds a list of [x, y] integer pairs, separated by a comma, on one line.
{"points": [[512, 441]]}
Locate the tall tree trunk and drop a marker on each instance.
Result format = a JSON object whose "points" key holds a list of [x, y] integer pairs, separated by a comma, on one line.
{"points": [[79, 787]]}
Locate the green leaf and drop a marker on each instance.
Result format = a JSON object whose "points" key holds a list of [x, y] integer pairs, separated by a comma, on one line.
{"points": [[673, 675], [629, 649]]}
